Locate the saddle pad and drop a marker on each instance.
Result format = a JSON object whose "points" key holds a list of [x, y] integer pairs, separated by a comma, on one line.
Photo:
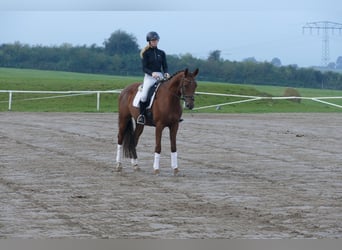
{"points": [[136, 100]]}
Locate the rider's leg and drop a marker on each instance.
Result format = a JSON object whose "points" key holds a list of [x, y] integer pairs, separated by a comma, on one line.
{"points": [[141, 117], [148, 82]]}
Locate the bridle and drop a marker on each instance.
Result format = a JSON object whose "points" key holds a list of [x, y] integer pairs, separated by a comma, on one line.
{"points": [[183, 96]]}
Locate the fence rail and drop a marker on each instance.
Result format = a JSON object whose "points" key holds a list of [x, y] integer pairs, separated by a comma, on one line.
{"points": [[256, 98], [246, 98], [59, 94]]}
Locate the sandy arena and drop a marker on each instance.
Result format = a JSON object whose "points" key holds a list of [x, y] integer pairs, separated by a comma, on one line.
{"points": [[242, 176]]}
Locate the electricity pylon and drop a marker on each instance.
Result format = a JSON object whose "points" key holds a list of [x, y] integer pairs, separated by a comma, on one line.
{"points": [[324, 28]]}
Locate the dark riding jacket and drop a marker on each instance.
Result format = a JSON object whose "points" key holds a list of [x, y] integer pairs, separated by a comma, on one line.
{"points": [[154, 60]]}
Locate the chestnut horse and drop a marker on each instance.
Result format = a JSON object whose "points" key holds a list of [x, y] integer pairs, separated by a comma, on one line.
{"points": [[165, 111]]}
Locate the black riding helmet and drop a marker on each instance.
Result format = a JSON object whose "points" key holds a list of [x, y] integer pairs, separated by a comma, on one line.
{"points": [[152, 35]]}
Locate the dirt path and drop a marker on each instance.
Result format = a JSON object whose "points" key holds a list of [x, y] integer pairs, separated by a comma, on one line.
{"points": [[243, 176]]}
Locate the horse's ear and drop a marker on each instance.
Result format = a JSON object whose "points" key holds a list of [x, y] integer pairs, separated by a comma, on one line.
{"points": [[195, 72], [186, 71]]}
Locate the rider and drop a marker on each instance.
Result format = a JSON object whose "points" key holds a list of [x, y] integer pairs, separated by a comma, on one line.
{"points": [[153, 63]]}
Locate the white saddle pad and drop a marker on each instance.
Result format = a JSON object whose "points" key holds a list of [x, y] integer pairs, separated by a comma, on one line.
{"points": [[136, 99]]}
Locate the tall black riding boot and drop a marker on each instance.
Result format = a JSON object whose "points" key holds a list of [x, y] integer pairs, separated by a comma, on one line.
{"points": [[141, 117]]}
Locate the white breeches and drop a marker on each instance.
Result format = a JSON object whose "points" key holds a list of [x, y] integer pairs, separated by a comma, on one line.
{"points": [[148, 82]]}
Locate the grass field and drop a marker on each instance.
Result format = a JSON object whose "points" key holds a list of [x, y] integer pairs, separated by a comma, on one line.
{"points": [[24, 79]]}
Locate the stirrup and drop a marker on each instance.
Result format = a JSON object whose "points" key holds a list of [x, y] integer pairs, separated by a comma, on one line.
{"points": [[141, 120]]}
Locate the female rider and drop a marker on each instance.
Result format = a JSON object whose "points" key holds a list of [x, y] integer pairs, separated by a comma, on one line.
{"points": [[153, 64]]}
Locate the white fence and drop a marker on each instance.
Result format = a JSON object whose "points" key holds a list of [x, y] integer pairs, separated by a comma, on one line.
{"points": [[256, 98], [246, 98], [57, 94]]}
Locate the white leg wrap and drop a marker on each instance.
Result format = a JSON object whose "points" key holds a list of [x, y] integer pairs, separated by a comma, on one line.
{"points": [[118, 153], [134, 161], [174, 163], [156, 161]]}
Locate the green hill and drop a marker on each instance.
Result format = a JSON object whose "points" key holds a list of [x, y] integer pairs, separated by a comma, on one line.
{"points": [[38, 80]]}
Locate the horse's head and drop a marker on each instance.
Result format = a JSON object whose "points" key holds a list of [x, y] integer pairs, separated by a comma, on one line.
{"points": [[188, 87]]}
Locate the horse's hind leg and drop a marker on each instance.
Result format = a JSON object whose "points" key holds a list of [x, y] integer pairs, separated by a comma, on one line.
{"points": [[119, 154], [118, 158], [123, 121]]}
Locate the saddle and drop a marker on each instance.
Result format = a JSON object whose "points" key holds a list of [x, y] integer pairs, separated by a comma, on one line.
{"points": [[150, 96]]}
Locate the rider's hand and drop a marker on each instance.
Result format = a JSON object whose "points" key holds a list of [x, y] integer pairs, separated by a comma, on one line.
{"points": [[167, 75], [155, 75]]}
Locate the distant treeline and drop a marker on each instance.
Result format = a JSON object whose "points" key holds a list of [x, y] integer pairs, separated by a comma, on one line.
{"points": [[119, 55]]}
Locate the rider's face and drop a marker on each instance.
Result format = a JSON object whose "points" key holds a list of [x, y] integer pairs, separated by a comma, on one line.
{"points": [[154, 43]]}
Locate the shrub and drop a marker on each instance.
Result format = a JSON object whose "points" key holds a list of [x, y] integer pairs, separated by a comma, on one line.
{"points": [[292, 92]]}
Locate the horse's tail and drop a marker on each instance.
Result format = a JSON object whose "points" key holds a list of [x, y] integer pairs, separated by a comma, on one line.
{"points": [[128, 143]]}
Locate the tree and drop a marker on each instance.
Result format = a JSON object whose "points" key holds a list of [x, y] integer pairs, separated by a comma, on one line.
{"points": [[331, 65], [121, 43], [339, 62], [276, 62], [215, 56], [250, 59], [121, 56]]}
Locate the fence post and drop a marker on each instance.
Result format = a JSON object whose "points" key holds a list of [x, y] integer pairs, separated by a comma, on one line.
{"points": [[10, 101], [98, 101]]}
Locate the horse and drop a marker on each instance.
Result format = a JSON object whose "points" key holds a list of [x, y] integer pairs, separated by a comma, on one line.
{"points": [[165, 111]]}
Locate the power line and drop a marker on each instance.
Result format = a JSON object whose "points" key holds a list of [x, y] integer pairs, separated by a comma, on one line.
{"points": [[324, 28]]}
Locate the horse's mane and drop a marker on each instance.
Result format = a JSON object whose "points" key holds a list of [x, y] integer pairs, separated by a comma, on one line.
{"points": [[174, 74], [179, 71]]}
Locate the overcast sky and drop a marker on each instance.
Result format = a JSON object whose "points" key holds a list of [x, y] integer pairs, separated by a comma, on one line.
{"points": [[239, 29]]}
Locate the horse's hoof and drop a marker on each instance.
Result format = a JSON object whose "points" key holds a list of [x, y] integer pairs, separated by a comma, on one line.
{"points": [[119, 167], [136, 167], [156, 172], [175, 172]]}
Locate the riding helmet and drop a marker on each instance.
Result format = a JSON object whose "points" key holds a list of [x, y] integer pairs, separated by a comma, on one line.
{"points": [[152, 35]]}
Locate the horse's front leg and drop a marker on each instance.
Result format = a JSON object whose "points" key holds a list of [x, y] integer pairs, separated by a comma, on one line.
{"points": [[174, 160], [137, 133], [157, 149]]}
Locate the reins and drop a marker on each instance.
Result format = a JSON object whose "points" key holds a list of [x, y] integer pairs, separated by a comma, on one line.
{"points": [[182, 96]]}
